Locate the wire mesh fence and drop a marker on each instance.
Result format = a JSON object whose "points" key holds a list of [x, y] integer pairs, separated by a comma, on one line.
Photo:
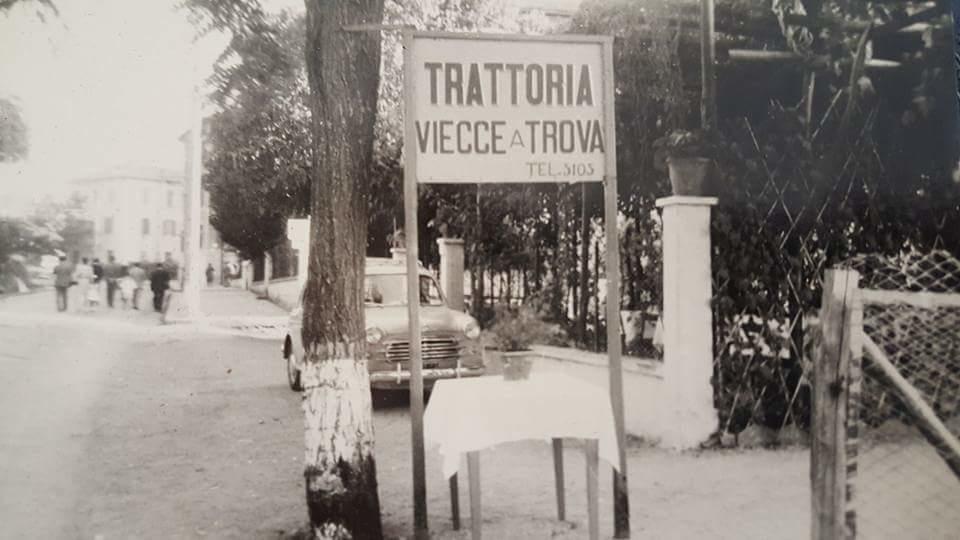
{"points": [[903, 415]]}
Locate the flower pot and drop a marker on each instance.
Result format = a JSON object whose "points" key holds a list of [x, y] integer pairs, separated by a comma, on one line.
{"points": [[516, 365], [688, 175]]}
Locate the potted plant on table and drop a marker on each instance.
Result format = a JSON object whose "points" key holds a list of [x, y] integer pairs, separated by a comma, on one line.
{"points": [[688, 156], [514, 331]]}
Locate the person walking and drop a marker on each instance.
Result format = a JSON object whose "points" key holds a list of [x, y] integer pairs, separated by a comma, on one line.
{"points": [[83, 275], [159, 283], [139, 275], [63, 278], [210, 275], [126, 286], [112, 273], [97, 281]]}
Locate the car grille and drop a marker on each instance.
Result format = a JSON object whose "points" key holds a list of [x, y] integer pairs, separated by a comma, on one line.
{"points": [[432, 349]]}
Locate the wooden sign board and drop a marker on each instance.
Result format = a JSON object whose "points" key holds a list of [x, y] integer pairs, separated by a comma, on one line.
{"points": [[493, 108]]}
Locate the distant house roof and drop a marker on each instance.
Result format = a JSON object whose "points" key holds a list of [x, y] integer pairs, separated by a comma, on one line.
{"points": [[134, 172]]}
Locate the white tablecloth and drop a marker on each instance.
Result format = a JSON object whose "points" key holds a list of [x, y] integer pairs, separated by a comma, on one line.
{"points": [[465, 415]]}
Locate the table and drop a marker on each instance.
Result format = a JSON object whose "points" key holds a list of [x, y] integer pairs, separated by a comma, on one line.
{"points": [[465, 416]]}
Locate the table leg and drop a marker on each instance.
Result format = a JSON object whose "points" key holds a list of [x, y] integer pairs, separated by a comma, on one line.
{"points": [[473, 467], [593, 459], [455, 501], [558, 477]]}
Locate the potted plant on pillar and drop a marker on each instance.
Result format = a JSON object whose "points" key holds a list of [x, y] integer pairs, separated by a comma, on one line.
{"points": [[514, 331], [688, 157]]}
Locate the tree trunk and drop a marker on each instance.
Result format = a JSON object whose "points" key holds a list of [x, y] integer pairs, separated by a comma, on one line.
{"points": [[572, 279], [478, 294], [524, 285], [558, 297], [537, 269], [344, 73], [596, 314], [630, 278], [584, 265]]}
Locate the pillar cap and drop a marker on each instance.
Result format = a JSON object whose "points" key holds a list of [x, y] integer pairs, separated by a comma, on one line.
{"points": [[454, 241], [686, 200]]}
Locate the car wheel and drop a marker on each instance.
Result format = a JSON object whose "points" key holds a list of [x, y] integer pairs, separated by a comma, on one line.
{"points": [[293, 374]]}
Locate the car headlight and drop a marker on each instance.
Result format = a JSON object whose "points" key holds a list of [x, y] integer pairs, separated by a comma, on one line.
{"points": [[374, 335], [471, 330]]}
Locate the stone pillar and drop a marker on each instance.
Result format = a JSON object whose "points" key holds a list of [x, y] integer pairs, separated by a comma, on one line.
{"points": [[267, 273], [298, 232], [299, 265], [246, 273], [687, 320], [451, 271]]}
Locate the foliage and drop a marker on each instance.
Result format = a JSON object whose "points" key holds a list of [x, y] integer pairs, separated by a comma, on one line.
{"points": [[849, 161], [75, 233], [21, 237], [41, 7], [515, 329], [683, 143], [13, 132], [259, 158], [653, 57]]}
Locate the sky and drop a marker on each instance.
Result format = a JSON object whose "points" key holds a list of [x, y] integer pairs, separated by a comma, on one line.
{"points": [[105, 83]]}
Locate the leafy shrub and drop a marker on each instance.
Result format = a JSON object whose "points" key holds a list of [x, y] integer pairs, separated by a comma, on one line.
{"points": [[681, 143], [515, 329]]}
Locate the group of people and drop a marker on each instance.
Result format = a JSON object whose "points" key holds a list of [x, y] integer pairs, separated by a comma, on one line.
{"points": [[95, 281]]}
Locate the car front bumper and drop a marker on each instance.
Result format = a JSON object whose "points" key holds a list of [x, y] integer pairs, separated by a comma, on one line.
{"points": [[400, 378]]}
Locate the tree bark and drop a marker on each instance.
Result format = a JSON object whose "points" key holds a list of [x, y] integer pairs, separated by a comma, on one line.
{"points": [[584, 265], [478, 294], [573, 266], [344, 74], [596, 286], [537, 269], [558, 297]]}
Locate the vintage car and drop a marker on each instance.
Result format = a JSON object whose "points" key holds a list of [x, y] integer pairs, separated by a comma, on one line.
{"points": [[451, 346]]}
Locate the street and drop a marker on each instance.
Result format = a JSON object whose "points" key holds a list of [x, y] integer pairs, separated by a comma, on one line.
{"points": [[133, 430], [113, 426]]}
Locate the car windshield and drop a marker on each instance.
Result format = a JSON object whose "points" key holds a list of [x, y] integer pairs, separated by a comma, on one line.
{"points": [[391, 290]]}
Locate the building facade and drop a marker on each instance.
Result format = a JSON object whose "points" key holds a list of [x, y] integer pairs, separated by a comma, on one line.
{"points": [[137, 213]]}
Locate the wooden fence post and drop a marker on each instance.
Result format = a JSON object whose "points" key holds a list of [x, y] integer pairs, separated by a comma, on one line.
{"points": [[840, 324]]}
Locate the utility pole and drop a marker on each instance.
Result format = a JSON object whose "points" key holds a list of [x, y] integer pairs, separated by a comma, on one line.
{"points": [[193, 260]]}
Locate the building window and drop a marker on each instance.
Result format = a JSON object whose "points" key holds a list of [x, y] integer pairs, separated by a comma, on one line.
{"points": [[170, 198], [169, 227], [107, 225], [145, 226], [146, 195], [110, 195]]}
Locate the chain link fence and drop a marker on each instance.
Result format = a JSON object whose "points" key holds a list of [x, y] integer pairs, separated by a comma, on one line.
{"points": [[903, 408]]}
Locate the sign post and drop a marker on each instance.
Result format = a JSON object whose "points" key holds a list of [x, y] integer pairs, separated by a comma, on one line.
{"points": [[484, 108]]}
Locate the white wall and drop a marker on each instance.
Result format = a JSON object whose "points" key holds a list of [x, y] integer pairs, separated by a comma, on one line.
{"points": [[129, 201]]}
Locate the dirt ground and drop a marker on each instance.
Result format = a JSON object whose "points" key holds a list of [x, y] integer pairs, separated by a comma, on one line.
{"points": [[147, 434], [112, 427], [199, 438]]}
